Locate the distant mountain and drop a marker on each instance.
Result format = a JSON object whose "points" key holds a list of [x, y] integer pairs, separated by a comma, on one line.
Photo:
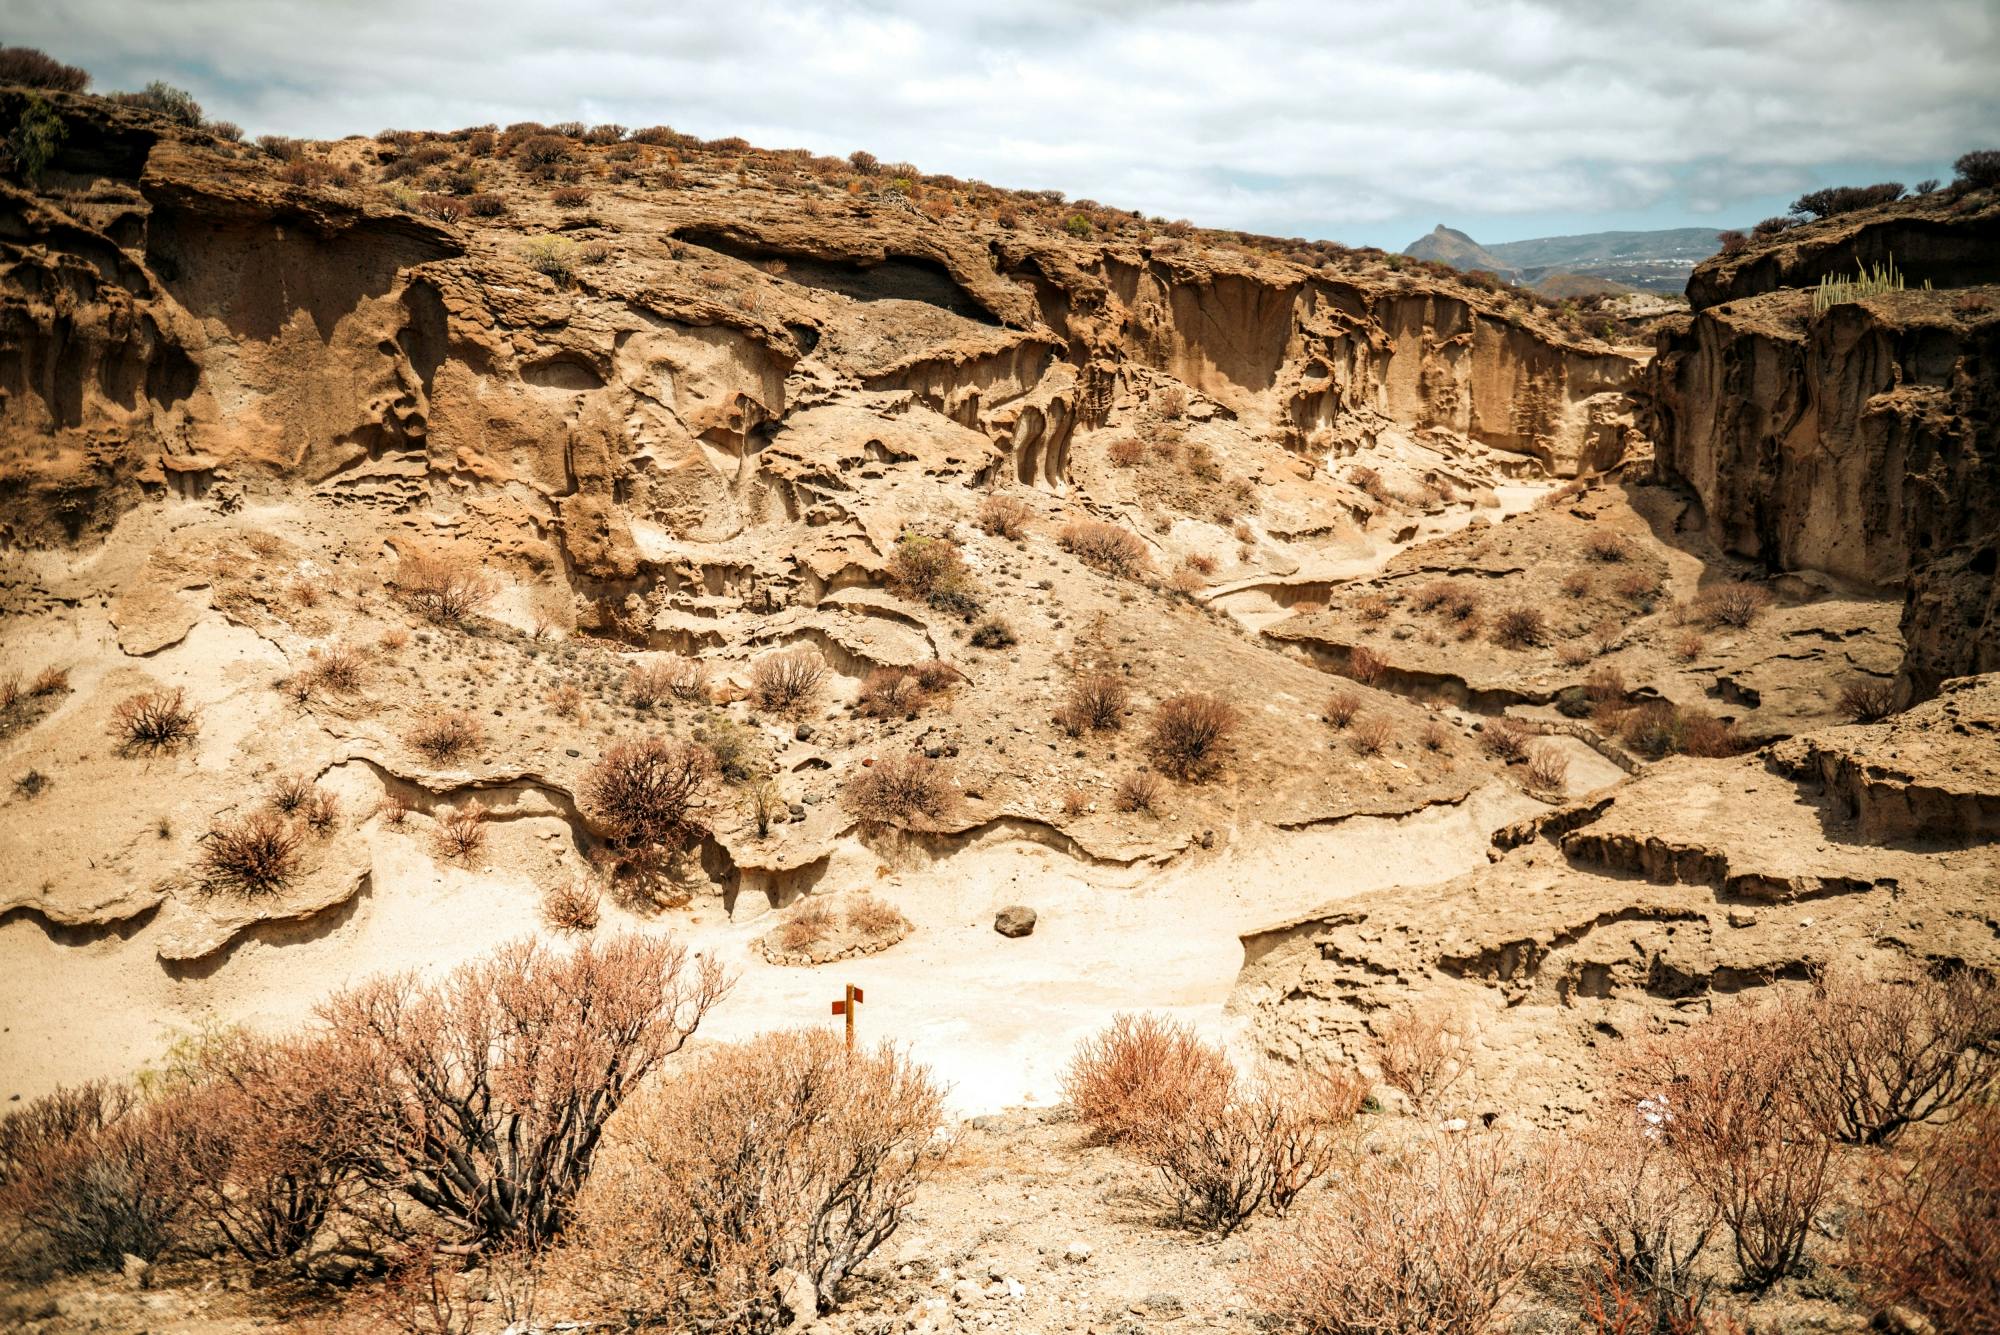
{"points": [[1658, 261]]}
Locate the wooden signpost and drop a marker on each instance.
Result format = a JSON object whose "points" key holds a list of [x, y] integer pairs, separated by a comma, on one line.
{"points": [[846, 1008]]}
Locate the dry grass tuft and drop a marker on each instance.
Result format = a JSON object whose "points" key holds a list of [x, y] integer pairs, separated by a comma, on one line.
{"points": [[1341, 707], [571, 906], [1370, 736], [1139, 791], [444, 737], [155, 721]]}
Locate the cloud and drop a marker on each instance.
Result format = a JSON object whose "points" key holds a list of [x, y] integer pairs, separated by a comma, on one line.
{"points": [[1250, 113]]}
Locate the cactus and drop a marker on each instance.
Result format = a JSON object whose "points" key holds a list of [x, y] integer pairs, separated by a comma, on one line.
{"points": [[1866, 283]]}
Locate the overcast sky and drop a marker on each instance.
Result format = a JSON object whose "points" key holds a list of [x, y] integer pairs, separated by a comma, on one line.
{"points": [[1364, 122]]}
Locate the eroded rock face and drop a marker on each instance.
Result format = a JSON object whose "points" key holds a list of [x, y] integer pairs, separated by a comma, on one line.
{"points": [[1860, 442]]}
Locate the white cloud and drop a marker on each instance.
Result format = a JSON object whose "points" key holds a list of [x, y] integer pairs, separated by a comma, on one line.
{"points": [[1253, 113]]}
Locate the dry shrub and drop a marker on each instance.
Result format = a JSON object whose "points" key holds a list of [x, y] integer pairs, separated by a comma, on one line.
{"points": [[1365, 665], [646, 799], [256, 855], [1005, 516], [1371, 735], [1185, 582], [1930, 1235], [934, 675], [443, 588], [875, 918], [1741, 1130], [809, 923], [1138, 791], [1434, 594], [1520, 627], [1733, 604], [395, 810], [1095, 703], [1075, 802], [290, 792], [1126, 451], [1657, 729], [28, 67], [1140, 1072], [1341, 708], [1504, 739], [393, 639], [1603, 545], [787, 682], [1548, 772], [1867, 701], [931, 570], [890, 692], [1573, 653], [1200, 562], [320, 812], [572, 906], [444, 737], [1423, 1052], [154, 721], [686, 679], [993, 633], [1432, 1240], [1606, 682], [49, 681], [646, 684], [786, 1153], [279, 1147], [1576, 584], [1436, 736], [1371, 607], [911, 791], [1886, 1054], [1240, 1147], [336, 667], [487, 1092], [1189, 734], [461, 833], [1645, 1228], [1111, 548], [90, 1175], [1688, 645], [1638, 586]]}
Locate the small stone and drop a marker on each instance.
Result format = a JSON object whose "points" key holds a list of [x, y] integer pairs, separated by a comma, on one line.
{"points": [[1077, 1252], [136, 1269], [1742, 918], [965, 1291], [803, 733], [1902, 1321], [1014, 920]]}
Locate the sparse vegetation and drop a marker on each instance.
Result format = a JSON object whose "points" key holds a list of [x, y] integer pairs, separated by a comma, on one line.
{"points": [[1111, 548], [255, 855], [155, 721], [1520, 627], [1867, 701], [1095, 703], [932, 570], [1341, 707], [911, 791], [444, 737], [993, 633], [1005, 516], [1139, 792], [1548, 772], [1189, 735], [444, 589], [787, 682], [460, 833], [647, 798]]}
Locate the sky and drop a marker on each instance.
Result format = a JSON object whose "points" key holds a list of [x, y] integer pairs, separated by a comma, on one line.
{"points": [[1367, 123]]}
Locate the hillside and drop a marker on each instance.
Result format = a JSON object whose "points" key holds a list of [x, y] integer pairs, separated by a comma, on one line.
{"points": [[500, 629], [1655, 261]]}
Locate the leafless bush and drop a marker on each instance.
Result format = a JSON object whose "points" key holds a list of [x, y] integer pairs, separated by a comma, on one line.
{"points": [[1096, 702], [1504, 739], [489, 1090], [1741, 1130], [890, 692], [155, 721], [1424, 1052], [1432, 1240], [320, 813], [1577, 584], [1005, 516], [911, 791], [1341, 708], [810, 922], [1112, 548], [49, 681], [290, 792], [572, 906], [1657, 729], [1138, 791], [460, 834], [1365, 665], [1867, 701], [875, 918], [1645, 1227], [1128, 1080], [444, 737], [686, 679], [444, 589], [1520, 627], [256, 855], [1604, 545], [1930, 1232], [1235, 1149], [785, 1153], [1189, 734], [1126, 451], [92, 1176], [1370, 735], [1548, 771], [646, 684], [1886, 1054], [646, 798], [1688, 645], [787, 682], [336, 668], [1436, 736], [277, 1143], [1734, 604]]}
